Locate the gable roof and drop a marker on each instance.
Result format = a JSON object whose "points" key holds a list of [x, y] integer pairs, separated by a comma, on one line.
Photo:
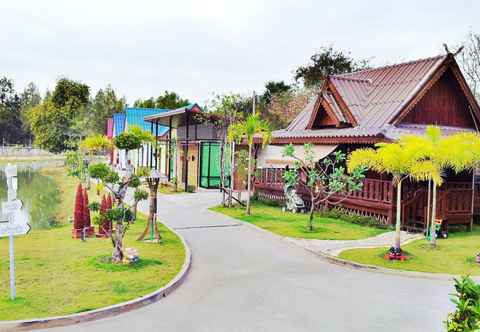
{"points": [[135, 116], [372, 100]]}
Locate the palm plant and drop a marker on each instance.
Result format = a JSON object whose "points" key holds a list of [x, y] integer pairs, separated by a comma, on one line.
{"points": [[391, 158], [252, 127], [459, 152]]}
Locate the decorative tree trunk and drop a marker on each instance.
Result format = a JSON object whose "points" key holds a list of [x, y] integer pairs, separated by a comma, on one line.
{"points": [[152, 227], [117, 239]]}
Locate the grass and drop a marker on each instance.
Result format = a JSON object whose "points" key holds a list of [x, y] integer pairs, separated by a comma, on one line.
{"points": [[295, 225], [455, 255], [57, 275]]}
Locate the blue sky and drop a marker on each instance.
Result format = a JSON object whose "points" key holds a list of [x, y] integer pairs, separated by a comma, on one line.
{"points": [[198, 48]]}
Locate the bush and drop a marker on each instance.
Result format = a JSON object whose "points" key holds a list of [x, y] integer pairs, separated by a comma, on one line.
{"points": [[467, 299], [353, 218], [191, 189]]}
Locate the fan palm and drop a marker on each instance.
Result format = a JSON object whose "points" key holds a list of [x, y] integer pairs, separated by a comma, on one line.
{"points": [[250, 128], [392, 158]]}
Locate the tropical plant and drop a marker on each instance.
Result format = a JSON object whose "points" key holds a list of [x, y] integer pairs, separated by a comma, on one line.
{"points": [[76, 165], [322, 179], [466, 317], [458, 152], [252, 127], [96, 144], [120, 214], [397, 159]]}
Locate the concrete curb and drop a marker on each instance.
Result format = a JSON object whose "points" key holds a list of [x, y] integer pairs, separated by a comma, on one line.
{"points": [[358, 266], [113, 310]]}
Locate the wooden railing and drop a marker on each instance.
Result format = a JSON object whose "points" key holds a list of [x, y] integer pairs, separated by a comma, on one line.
{"points": [[372, 190]]}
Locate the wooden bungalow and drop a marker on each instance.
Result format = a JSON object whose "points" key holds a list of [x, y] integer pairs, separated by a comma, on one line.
{"points": [[369, 106]]}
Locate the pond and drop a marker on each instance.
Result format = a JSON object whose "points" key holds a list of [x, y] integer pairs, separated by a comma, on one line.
{"points": [[39, 193]]}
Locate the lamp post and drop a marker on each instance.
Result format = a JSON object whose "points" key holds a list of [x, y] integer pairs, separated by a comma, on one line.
{"points": [[153, 181]]}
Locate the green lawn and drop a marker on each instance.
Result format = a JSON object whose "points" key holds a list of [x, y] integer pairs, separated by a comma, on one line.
{"points": [[455, 255], [295, 225], [57, 275]]}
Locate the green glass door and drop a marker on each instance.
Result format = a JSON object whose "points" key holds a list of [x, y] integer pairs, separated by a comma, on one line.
{"points": [[210, 165]]}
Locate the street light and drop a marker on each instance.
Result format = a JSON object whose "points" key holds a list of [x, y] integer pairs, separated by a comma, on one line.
{"points": [[153, 180]]}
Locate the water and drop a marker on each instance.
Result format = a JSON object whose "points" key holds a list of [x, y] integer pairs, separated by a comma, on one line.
{"points": [[39, 194]]}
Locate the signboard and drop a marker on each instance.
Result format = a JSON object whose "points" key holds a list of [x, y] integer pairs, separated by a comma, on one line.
{"points": [[17, 224], [13, 220]]}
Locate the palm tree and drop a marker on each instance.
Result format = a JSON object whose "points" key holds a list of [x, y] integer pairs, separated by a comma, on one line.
{"points": [[391, 158], [252, 127], [459, 152]]}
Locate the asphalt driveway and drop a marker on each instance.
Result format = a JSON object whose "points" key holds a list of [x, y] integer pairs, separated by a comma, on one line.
{"points": [[245, 280]]}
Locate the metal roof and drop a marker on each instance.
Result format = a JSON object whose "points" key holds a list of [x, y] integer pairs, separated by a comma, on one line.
{"points": [[135, 116], [177, 116], [373, 96], [118, 123]]}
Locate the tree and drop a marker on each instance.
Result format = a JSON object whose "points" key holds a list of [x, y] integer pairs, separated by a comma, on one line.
{"points": [[103, 106], [223, 111], [466, 317], [71, 93], [326, 181], [469, 60], [459, 152], [284, 107], [120, 215], [273, 88], [168, 100], [327, 62], [248, 129], [51, 127], [96, 144], [12, 129], [60, 121], [396, 159], [138, 195]]}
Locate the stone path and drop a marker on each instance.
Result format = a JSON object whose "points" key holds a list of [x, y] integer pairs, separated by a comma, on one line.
{"points": [[335, 247]]}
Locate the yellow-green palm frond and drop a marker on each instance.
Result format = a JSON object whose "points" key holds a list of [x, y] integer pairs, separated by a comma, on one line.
{"points": [[362, 158], [433, 133], [236, 132], [426, 170]]}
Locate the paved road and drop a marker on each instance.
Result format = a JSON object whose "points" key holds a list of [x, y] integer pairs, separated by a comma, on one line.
{"points": [[245, 280]]}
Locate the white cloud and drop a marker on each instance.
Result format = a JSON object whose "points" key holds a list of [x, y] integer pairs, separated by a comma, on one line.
{"points": [[199, 47]]}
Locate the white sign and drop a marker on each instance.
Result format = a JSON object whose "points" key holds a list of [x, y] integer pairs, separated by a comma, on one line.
{"points": [[16, 225], [11, 206]]}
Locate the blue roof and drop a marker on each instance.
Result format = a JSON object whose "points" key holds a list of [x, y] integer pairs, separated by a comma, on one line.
{"points": [[118, 123], [135, 117]]}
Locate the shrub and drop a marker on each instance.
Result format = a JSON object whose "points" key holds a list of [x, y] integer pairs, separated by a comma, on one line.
{"points": [[191, 189], [467, 299], [353, 218]]}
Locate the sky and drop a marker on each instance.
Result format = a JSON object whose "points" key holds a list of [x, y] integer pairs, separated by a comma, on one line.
{"points": [[201, 48]]}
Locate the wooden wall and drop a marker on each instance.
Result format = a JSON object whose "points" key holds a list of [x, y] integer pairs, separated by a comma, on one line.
{"points": [[444, 104]]}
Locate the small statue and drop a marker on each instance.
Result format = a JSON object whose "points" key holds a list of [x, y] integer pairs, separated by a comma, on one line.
{"points": [[293, 201]]}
